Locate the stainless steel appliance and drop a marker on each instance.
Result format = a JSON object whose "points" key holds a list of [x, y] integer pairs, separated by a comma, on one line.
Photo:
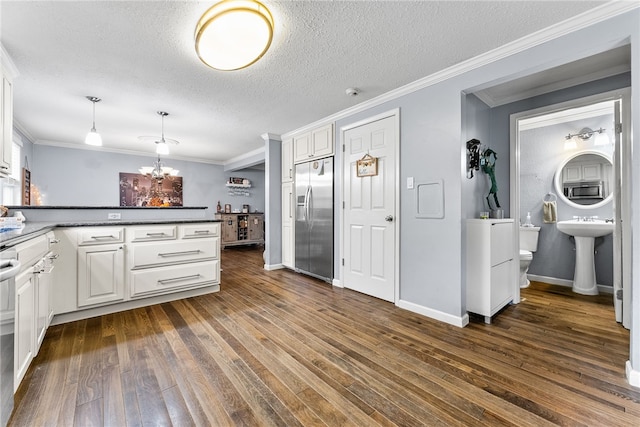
{"points": [[9, 267], [314, 218], [584, 190]]}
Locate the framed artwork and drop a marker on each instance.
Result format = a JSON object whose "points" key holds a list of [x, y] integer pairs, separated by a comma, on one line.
{"points": [[26, 187], [367, 166], [141, 190]]}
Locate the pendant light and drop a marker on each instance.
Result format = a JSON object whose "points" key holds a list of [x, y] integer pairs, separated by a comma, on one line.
{"points": [[158, 171], [93, 137], [233, 34]]}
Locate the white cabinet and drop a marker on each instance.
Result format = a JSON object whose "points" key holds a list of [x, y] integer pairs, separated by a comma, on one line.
{"points": [[313, 144], [6, 125], [24, 343], [288, 222], [166, 266], [100, 274], [577, 171], [287, 160], [491, 268]]}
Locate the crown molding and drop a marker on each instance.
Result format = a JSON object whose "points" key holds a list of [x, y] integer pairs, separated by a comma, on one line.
{"points": [[246, 155], [7, 64], [121, 151], [271, 136], [590, 17]]}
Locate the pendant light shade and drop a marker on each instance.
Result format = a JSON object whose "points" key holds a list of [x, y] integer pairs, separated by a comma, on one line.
{"points": [[93, 137], [234, 34]]}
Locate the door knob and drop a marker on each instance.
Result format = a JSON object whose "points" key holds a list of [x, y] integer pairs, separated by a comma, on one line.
{"points": [[388, 218]]}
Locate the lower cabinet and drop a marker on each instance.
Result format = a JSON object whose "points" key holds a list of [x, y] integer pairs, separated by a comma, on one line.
{"points": [[287, 225], [24, 342], [100, 274]]}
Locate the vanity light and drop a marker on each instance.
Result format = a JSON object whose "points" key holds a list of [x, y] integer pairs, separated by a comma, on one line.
{"points": [[233, 34], [93, 137]]}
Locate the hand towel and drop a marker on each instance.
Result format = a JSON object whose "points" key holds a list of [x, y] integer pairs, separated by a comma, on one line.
{"points": [[549, 212]]}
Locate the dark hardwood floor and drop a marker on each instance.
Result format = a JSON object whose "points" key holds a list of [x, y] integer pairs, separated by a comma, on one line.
{"points": [[279, 348]]}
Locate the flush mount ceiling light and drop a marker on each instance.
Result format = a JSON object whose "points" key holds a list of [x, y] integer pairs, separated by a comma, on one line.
{"points": [[234, 34], [93, 137]]}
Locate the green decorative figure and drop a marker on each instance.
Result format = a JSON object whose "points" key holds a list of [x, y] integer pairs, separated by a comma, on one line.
{"points": [[489, 167]]}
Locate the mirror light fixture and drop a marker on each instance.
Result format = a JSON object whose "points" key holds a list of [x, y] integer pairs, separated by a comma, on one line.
{"points": [[93, 137], [233, 34], [585, 134]]}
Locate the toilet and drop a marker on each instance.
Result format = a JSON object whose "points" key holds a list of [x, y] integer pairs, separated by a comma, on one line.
{"points": [[528, 245]]}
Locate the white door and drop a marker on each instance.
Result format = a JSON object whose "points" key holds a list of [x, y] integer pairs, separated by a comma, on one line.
{"points": [[622, 219], [369, 251]]}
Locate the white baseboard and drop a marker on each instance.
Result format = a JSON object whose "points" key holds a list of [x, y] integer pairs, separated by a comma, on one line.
{"points": [[270, 267], [459, 321], [633, 376], [337, 283], [603, 289]]}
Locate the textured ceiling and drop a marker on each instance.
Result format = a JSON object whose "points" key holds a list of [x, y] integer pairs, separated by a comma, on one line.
{"points": [[138, 56]]}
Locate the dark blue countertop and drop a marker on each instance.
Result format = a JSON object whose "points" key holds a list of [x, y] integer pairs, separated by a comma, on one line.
{"points": [[30, 230]]}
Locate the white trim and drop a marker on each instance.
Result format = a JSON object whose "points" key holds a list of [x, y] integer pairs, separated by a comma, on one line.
{"points": [[603, 289], [122, 151], [395, 113], [271, 137], [7, 64], [459, 321], [633, 376], [590, 17], [246, 155], [271, 267], [337, 283]]}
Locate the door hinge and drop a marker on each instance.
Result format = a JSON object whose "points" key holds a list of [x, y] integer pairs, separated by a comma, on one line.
{"points": [[343, 148], [619, 294], [618, 127], [343, 204], [343, 261]]}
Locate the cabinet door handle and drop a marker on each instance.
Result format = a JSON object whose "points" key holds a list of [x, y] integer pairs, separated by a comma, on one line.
{"points": [[170, 254], [110, 236], [178, 279], [156, 234], [201, 232]]}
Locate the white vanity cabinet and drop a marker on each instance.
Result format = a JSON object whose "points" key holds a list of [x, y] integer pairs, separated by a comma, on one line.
{"points": [[491, 268]]}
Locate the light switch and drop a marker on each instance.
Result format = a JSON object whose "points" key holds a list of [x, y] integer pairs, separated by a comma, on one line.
{"points": [[410, 183]]}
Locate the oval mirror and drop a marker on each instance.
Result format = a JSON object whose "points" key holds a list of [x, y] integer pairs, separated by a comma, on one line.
{"points": [[585, 180]]}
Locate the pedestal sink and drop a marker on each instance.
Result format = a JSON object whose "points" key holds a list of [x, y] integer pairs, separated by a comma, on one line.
{"points": [[585, 232]]}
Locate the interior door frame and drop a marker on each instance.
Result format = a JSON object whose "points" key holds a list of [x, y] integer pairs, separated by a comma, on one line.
{"points": [[623, 95], [395, 113]]}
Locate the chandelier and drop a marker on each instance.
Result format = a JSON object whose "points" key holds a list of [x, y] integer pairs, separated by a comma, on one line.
{"points": [[158, 171]]}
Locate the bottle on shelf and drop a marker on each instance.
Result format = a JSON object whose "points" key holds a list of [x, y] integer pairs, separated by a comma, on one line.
{"points": [[219, 207]]}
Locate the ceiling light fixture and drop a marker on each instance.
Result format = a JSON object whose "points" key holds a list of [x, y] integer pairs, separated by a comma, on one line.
{"points": [[233, 34], [161, 146], [158, 171], [93, 137]]}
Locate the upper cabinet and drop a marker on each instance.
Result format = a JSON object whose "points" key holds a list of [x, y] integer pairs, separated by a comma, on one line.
{"points": [[7, 73], [287, 160], [313, 144]]}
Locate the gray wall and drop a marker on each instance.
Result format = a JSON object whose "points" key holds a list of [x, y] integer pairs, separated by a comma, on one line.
{"points": [[433, 134], [79, 177], [541, 153]]}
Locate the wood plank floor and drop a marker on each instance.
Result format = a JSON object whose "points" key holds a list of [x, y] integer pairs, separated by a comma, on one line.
{"points": [[279, 348]]}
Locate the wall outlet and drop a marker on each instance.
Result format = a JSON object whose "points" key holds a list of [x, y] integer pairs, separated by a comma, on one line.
{"points": [[113, 215]]}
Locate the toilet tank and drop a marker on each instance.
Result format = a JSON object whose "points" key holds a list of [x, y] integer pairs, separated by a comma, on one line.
{"points": [[529, 238]]}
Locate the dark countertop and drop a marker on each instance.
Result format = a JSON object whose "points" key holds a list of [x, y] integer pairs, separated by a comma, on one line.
{"points": [[30, 230]]}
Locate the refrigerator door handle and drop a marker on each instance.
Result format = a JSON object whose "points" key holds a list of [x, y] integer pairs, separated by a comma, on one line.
{"points": [[306, 204], [310, 208]]}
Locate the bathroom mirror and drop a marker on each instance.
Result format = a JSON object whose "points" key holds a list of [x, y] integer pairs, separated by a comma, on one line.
{"points": [[584, 180]]}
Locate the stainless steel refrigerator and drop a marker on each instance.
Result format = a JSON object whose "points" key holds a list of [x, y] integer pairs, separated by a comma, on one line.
{"points": [[314, 218]]}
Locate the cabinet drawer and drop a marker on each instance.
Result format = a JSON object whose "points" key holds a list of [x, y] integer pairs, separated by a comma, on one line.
{"points": [[501, 242], [195, 231], [152, 233], [152, 254], [501, 286], [100, 235], [174, 278], [31, 250]]}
